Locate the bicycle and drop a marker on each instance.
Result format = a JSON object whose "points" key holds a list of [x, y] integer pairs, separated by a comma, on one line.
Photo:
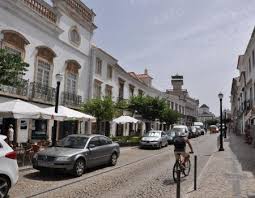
{"points": [[179, 166]]}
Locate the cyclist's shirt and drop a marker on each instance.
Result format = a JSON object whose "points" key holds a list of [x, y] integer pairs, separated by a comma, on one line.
{"points": [[180, 144]]}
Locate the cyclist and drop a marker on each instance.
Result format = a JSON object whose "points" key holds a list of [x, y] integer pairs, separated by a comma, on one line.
{"points": [[180, 146]]}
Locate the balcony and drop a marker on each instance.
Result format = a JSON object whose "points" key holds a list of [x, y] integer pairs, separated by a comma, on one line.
{"points": [[71, 99], [42, 93], [42, 9], [17, 91]]}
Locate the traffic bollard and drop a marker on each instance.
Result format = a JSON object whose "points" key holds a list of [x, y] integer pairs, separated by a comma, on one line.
{"points": [[178, 188], [195, 172]]}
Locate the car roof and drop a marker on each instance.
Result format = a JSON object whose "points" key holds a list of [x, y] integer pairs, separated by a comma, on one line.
{"points": [[179, 126], [86, 135]]}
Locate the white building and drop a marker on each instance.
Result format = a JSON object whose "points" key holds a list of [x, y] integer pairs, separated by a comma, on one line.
{"points": [[204, 113], [52, 40]]}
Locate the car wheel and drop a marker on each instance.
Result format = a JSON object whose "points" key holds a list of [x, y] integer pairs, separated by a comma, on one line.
{"points": [[79, 167], [4, 186], [114, 159]]}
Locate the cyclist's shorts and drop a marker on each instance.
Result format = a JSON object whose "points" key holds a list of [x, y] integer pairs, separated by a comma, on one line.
{"points": [[183, 153]]}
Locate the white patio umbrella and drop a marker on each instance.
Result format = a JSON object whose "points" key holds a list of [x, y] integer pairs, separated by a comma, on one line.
{"points": [[19, 109], [65, 113], [125, 119]]}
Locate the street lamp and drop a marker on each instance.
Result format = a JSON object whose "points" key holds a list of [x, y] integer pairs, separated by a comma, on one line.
{"points": [[225, 123], [59, 78], [221, 135]]}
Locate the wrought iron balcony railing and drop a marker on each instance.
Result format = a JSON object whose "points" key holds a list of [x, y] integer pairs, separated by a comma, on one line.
{"points": [[38, 91], [71, 99], [16, 90]]}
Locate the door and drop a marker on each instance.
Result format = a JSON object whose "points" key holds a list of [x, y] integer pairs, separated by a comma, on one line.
{"points": [[95, 152], [107, 148]]}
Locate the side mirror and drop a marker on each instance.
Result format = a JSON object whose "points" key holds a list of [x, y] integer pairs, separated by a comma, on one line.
{"points": [[91, 146]]}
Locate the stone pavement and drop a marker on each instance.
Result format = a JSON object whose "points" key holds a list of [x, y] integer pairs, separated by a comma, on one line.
{"points": [[230, 173]]}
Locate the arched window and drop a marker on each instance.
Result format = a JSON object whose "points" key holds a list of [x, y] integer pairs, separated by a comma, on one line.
{"points": [[14, 42], [74, 36], [72, 74], [44, 66]]}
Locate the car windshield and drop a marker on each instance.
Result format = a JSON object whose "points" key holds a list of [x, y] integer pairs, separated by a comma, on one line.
{"points": [[153, 134], [178, 130], [171, 133], [73, 142]]}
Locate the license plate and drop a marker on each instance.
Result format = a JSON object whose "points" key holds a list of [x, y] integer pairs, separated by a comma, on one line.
{"points": [[45, 163]]}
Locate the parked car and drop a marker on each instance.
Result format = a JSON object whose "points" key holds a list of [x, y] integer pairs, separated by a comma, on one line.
{"points": [[75, 153], [154, 139], [9, 171], [213, 129], [193, 131], [170, 136], [181, 128]]}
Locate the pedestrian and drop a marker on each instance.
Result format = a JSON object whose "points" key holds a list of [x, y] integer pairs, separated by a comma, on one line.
{"points": [[10, 135]]}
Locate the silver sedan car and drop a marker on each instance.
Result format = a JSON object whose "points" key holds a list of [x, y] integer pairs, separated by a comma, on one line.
{"points": [[155, 139], [75, 153]]}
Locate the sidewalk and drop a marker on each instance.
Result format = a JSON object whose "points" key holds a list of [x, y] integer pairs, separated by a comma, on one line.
{"points": [[230, 173]]}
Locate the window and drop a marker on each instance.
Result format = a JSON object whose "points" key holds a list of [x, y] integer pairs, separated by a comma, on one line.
{"points": [[180, 109], [253, 58], [104, 140], [71, 83], [13, 50], [74, 36], [140, 92], [172, 105], [43, 72], [71, 76], [108, 91], [249, 65], [98, 66], [121, 89], [131, 90], [97, 89], [95, 141], [109, 71], [176, 107], [183, 110]]}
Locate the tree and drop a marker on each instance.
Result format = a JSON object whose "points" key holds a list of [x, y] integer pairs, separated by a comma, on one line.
{"points": [[211, 122], [102, 109], [169, 116], [12, 68], [148, 107]]}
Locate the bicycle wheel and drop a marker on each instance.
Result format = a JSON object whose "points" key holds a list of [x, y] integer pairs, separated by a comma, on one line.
{"points": [[186, 169], [175, 169]]}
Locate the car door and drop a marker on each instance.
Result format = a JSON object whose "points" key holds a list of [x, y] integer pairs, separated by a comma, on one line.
{"points": [[95, 152], [165, 138], [107, 148]]}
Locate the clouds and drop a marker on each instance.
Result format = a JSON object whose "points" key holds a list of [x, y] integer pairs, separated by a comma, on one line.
{"points": [[199, 39]]}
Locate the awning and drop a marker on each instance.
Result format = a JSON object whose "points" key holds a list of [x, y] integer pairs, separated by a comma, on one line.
{"points": [[65, 113], [125, 119], [19, 109]]}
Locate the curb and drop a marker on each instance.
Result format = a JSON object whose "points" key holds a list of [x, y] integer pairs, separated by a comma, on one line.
{"points": [[25, 168]]}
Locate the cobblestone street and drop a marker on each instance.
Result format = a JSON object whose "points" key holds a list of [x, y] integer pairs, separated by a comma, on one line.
{"points": [[139, 173]]}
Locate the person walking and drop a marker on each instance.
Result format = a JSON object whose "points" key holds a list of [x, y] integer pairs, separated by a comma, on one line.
{"points": [[10, 135]]}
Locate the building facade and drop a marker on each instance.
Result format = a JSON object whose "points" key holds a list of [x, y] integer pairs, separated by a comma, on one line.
{"points": [[204, 113], [52, 39]]}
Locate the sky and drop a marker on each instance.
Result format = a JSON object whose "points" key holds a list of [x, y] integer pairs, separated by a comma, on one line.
{"points": [[198, 39]]}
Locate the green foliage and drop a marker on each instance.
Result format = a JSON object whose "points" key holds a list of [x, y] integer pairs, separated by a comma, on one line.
{"points": [[150, 108], [127, 139], [120, 106], [12, 68], [102, 109], [169, 116]]}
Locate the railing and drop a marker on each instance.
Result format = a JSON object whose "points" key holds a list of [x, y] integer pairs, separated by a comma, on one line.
{"points": [[71, 99], [41, 9], [20, 89], [42, 92], [81, 10]]}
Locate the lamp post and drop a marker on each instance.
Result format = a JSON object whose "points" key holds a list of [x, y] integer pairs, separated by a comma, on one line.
{"points": [[225, 123], [54, 131], [220, 95]]}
